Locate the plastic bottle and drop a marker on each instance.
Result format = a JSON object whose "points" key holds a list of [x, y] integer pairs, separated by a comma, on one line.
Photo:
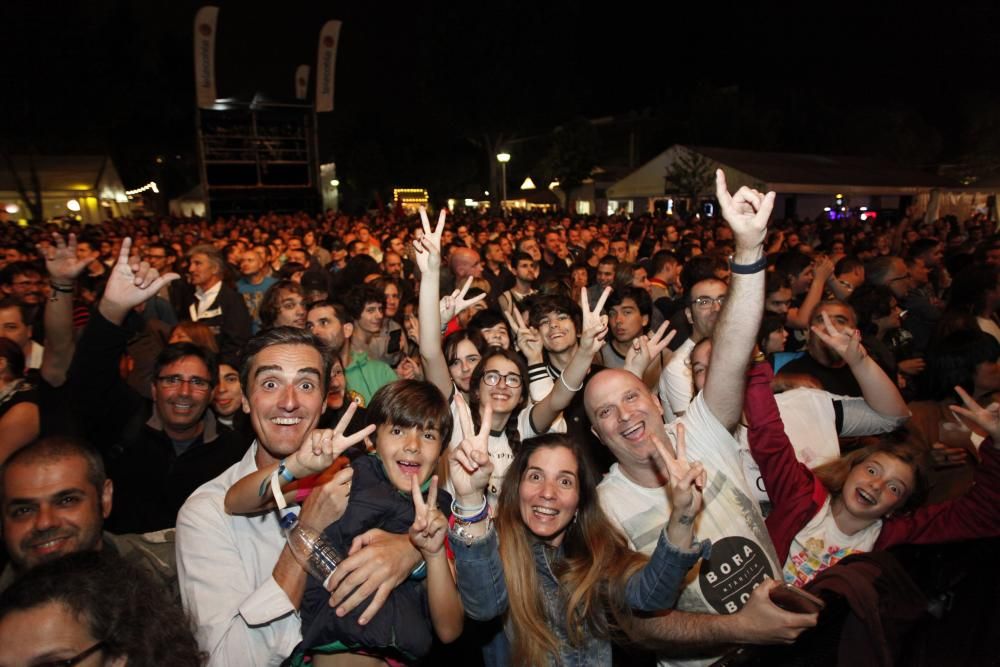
{"points": [[310, 548]]}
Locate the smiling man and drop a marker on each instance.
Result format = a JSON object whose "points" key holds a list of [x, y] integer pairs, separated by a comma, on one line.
{"points": [[55, 496], [239, 582]]}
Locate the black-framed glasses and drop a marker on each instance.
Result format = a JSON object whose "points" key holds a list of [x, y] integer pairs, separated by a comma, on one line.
{"points": [[76, 659], [708, 302], [492, 378], [173, 381]]}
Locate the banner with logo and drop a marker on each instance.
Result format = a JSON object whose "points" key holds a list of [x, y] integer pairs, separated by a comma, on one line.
{"points": [[301, 82], [326, 63], [204, 55]]}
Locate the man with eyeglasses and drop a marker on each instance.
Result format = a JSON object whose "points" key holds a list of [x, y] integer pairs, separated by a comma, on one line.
{"points": [[157, 453], [705, 300]]}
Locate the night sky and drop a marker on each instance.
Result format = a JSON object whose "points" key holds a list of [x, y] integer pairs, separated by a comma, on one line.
{"points": [[419, 83]]}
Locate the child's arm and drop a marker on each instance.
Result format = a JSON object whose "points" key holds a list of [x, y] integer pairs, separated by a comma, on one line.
{"points": [[975, 514], [427, 533], [317, 453]]}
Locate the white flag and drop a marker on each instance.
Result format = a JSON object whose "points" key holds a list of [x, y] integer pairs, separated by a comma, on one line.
{"points": [[301, 82], [326, 63], [204, 55]]}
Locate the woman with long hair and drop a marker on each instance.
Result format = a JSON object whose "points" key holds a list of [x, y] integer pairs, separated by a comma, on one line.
{"points": [[551, 563], [19, 416]]}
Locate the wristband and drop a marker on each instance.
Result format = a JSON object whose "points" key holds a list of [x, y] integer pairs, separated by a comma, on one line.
{"points": [[285, 473], [468, 515], [748, 269], [420, 571], [563, 380], [65, 289]]}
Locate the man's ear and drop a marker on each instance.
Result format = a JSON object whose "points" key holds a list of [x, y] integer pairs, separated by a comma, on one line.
{"points": [[244, 402], [106, 495], [687, 311], [348, 329]]}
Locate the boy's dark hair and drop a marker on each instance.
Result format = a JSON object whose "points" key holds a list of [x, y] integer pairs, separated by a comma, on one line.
{"points": [[486, 319], [700, 268], [338, 310], [554, 303], [659, 260], [177, 351], [412, 403], [518, 256], [360, 296], [637, 294]]}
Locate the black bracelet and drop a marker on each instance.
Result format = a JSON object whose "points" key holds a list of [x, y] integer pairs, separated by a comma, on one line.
{"points": [[61, 288], [747, 269]]}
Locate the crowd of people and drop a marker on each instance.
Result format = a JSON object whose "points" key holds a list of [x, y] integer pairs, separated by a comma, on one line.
{"points": [[537, 439]]}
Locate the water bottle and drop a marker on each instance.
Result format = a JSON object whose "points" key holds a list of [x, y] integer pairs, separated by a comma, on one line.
{"points": [[310, 548]]}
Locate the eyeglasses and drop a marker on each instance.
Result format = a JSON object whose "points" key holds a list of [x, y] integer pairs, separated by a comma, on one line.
{"points": [[905, 276], [173, 381], [705, 302], [27, 283], [76, 659], [492, 378]]}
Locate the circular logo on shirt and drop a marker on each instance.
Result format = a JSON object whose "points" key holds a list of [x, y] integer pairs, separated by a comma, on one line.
{"points": [[737, 566]]}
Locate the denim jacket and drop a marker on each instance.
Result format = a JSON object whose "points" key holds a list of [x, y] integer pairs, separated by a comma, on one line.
{"points": [[484, 591]]}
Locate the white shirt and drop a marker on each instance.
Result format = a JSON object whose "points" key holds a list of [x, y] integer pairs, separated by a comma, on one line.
{"points": [[742, 553], [677, 382], [205, 298], [242, 616], [821, 544]]}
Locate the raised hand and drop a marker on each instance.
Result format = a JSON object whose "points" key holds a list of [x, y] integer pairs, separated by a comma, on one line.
{"points": [[987, 418], [529, 341], [594, 326], [845, 343], [429, 525], [469, 465], [61, 261], [130, 283], [746, 212], [427, 249], [686, 479], [456, 302], [323, 446], [646, 348]]}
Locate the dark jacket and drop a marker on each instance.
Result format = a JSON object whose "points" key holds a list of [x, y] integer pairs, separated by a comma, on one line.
{"points": [[232, 325]]}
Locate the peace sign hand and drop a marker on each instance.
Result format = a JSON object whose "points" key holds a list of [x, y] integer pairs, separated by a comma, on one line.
{"points": [[427, 249], [845, 343], [644, 349], [746, 212], [456, 302], [61, 261], [529, 341], [685, 479], [429, 525], [594, 325], [323, 446], [469, 465], [987, 418]]}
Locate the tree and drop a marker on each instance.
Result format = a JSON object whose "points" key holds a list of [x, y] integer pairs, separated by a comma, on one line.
{"points": [[690, 175], [572, 156]]}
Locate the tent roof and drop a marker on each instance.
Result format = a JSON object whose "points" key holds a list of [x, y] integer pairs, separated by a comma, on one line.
{"points": [[60, 172], [791, 173]]}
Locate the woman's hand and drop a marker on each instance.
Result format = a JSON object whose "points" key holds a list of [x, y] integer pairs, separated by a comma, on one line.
{"points": [[427, 249], [323, 446], [429, 525], [469, 465], [454, 303]]}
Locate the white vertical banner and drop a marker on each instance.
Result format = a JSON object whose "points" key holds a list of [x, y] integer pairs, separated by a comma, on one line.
{"points": [[326, 63], [301, 82], [204, 55]]}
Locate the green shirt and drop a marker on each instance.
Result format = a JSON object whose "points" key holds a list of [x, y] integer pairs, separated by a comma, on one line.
{"points": [[366, 376]]}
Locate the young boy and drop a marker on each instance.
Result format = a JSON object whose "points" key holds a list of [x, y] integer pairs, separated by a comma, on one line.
{"points": [[412, 424]]}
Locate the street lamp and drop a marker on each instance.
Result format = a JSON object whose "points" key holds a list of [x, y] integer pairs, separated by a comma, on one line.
{"points": [[503, 158]]}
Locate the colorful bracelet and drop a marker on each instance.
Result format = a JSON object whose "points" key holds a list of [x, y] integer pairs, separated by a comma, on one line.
{"points": [[284, 472]]}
